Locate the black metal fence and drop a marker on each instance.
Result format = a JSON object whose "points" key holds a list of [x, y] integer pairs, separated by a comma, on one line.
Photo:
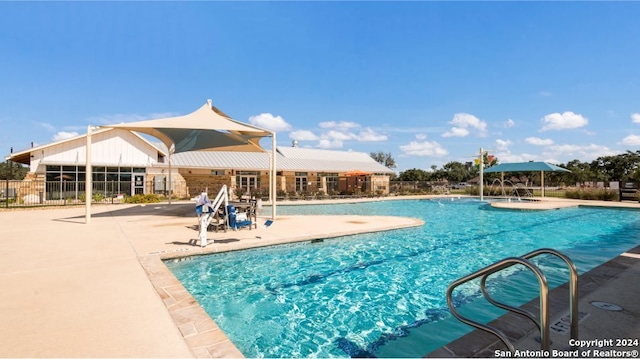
{"points": [[62, 193]]}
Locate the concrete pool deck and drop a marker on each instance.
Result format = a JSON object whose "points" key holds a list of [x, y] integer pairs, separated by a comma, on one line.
{"points": [[101, 290]]}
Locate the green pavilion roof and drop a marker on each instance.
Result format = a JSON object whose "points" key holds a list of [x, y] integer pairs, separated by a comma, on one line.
{"points": [[525, 167]]}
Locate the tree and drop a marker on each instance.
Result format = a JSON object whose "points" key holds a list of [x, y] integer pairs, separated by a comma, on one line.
{"points": [[413, 174], [18, 173], [456, 172], [384, 159]]}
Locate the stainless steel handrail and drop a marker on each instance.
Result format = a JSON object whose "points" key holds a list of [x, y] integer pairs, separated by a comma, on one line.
{"points": [[543, 323], [573, 285], [507, 262]]}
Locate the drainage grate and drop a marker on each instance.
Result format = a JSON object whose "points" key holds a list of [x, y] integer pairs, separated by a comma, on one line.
{"points": [[607, 306]]}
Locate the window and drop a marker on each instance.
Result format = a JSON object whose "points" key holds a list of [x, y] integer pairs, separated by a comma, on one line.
{"points": [[64, 182]]}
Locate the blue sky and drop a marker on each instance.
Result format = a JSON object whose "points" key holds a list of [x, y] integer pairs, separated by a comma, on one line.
{"points": [[428, 82]]}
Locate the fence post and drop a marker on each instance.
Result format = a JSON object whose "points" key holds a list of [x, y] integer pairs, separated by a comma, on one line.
{"points": [[6, 194]]}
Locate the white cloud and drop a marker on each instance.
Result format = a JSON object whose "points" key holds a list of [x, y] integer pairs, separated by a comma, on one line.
{"points": [[369, 135], [539, 141], [337, 135], [566, 120], [631, 140], [47, 126], [456, 132], [62, 135], [270, 122], [503, 145], [421, 136], [509, 123], [544, 93], [303, 135], [506, 157], [425, 148], [343, 125], [583, 152], [462, 122], [635, 117], [326, 143]]}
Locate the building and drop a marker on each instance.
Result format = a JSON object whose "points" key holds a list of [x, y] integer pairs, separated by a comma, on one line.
{"points": [[126, 163]]}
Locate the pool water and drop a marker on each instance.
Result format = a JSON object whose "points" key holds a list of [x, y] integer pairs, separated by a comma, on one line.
{"points": [[383, 294]]}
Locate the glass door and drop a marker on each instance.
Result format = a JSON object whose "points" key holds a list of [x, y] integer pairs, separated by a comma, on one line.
{"points": [[138, 184], [247, 184]]}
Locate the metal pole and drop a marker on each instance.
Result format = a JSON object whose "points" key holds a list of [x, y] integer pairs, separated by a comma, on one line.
{"points": [[6, 194], [169, 176], [88, 179], [273, 175]]}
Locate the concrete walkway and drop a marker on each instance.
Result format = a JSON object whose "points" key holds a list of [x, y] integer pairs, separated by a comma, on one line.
{"points": [[100, 290]]}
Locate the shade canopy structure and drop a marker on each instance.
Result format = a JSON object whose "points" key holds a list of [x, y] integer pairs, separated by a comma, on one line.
{"points": [[527, 167], [205, 129]]}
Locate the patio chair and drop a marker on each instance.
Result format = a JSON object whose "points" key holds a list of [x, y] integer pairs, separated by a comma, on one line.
{"points": [[237, 220]]}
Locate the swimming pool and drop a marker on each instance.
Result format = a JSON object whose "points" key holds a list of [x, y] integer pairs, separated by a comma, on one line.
{"points": [[383, 294]]}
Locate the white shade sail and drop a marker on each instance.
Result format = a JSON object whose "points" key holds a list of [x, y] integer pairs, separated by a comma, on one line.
{"points": [[206, 128]]}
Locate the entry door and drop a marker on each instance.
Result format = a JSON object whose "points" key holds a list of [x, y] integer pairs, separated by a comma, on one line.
{"points": [[301, 184], [138, 184], [247, 184]]}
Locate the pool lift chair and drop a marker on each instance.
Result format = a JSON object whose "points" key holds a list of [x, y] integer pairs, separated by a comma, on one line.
{"points": [[207, 211]]}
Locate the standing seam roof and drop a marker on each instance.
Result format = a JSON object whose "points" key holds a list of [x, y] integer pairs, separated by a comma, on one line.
{"points": [[315, 160]]}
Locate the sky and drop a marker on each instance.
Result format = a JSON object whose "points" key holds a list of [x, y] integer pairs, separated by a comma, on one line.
{"points": [[428, 82]]}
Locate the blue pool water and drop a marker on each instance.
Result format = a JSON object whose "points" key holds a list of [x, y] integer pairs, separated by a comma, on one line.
{"points": [[383, 294]]}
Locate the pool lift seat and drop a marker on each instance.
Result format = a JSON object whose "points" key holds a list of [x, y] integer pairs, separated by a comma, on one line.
{"points": [[543, 321], [207, 211]]}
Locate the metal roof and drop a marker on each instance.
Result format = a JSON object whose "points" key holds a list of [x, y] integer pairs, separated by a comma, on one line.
{"points": [[313, 154], [288, 159], [525, 167], [222, 160]]}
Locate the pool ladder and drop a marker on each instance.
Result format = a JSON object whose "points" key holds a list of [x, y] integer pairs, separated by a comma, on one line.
{"points": [[543, 322]]}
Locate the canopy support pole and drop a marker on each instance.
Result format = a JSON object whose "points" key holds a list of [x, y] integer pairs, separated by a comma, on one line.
{"points": [[169, 180], [542, 182], [273, 177], [88, 184]]}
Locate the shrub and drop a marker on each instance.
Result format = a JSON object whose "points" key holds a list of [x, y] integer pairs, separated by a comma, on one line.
{"points": [[601, 194], [572, 193], [142, 198]]}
